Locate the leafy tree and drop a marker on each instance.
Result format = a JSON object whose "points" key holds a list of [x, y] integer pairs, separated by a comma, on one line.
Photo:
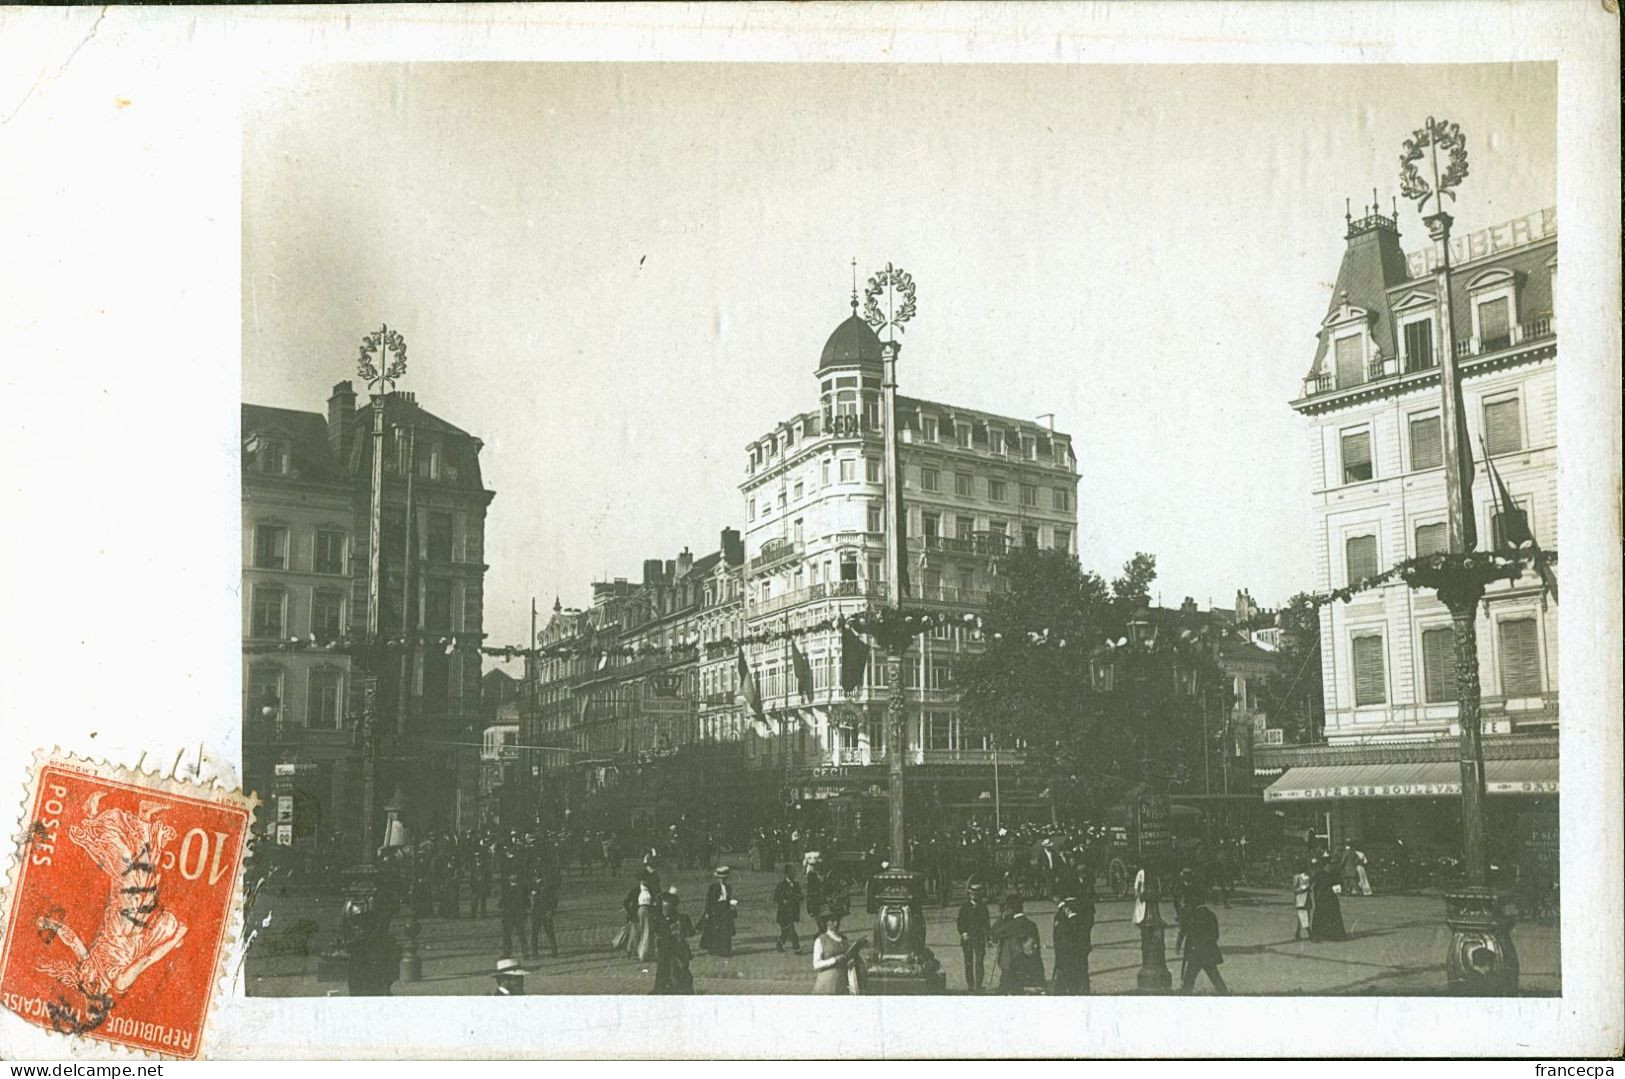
{"points": [[1070, 677]]}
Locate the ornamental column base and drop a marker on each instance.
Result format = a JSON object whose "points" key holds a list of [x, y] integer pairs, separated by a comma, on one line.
{"points": [[1482, 961], [1153, 975], [901, 964]]}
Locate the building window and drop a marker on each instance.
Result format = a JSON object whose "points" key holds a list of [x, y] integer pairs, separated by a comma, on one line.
{"points": [[1427, 443], [264, 692], [823, 469], [1419, 345], [849, 469], [329, 556], [1439, 665], [1494, 324], [962, 484], [799, 491], [1350, 361], [436, 604], [327, 616], [871, 470], [1029, 494], [750, 511], [930, 479], [875, 517], [269, 612], [995, 441], [939, 731], [322, 711], [1029, 448], [1063, 539], [1063, 498], [995, 490], [931, 528], [962, 435], [1432, 538], [1361, 554], [1356, 456], [928, 428], [796, 531], [784, 497], [1520, 658], [438, 537], [1503, 426], [428, 460], [963, 527], [1370, 683], [270, 547], [1029, 538], [271, 457]]}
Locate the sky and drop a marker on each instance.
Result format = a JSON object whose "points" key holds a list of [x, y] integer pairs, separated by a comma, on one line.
{"points": [[617, 275]]}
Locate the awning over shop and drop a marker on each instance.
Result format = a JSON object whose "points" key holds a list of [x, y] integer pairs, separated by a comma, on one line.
{"points": [[1431, 779]]}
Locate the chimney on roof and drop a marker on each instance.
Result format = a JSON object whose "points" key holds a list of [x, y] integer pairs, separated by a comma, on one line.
{"points": [[733, 548], [1188, 607], [651, 572], [340, 418], [671, 571], [685, 562]]}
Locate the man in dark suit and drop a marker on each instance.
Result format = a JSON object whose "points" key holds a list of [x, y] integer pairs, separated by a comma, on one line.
{"points": [[787, 909], [1021, 962], [544, 900], [515, 902], [974, 933], [1201, 928], [1074, 926]]}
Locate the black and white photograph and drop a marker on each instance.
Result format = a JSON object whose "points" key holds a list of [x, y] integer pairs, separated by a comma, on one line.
{"points": [[666, 599], [1041, 504]]}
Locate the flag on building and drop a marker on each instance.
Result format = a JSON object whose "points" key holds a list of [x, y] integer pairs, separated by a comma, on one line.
{"points": [[854, 658], [803, 669], [1512, 529], [747, 687]]}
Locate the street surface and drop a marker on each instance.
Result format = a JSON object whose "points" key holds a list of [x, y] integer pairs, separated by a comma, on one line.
{"points": [[1396, 946]]}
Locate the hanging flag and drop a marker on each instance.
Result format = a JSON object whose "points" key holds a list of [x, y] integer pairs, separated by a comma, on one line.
{"points": [[1514, 527], [901, 539], [747, 687], [803, 669], [854, 658]]}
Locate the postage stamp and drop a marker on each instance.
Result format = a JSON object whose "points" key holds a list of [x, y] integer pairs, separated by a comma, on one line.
{"points": [[124, 893]]}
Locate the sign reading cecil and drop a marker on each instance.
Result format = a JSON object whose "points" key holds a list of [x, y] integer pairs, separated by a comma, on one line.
{"points": [[1153, 823]]}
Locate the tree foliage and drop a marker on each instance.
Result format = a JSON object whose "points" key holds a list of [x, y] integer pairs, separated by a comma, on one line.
{"points": [[1294, 698], [1070, 678]]}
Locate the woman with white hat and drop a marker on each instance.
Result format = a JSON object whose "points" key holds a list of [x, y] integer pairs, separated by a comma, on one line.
{"points": [[717, 921]]}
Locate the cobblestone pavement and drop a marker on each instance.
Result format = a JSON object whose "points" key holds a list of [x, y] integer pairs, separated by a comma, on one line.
{"points": [[1396, 946]]}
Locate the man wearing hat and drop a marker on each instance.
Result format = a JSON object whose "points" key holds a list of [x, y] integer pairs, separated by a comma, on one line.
{"points": [[1074, 926], [717, 920], [510, 977], [787, 909], [817, 878], [974, 933]]}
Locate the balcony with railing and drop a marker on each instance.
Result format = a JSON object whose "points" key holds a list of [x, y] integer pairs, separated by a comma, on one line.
{"points": [[1384, 368], [874, 591], [775, 552]]}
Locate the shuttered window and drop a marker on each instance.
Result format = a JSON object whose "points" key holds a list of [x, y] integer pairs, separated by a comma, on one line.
{"points": [[1362, 558], [1432, 539], [1427, 443], [1370, 683], [1439, 665], [1350, 361], [1520, 658], [1356, 456], [1503, 427], [1419, 345], [1494, 325]]}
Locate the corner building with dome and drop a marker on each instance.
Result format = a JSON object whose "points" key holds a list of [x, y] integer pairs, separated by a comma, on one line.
{"points": [[975, 486]]}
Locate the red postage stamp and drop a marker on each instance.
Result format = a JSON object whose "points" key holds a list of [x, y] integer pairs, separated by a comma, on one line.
{"points": [[122, 903]]}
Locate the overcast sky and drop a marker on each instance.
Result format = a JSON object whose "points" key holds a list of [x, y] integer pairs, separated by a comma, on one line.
{"points": [[618, 274]]}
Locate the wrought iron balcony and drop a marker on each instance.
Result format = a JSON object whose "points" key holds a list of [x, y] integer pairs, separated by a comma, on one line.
{"points": [[775, 551], [1380, 368]]}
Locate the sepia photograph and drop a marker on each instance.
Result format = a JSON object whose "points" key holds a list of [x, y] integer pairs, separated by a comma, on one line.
{"points": [[716, 529]]}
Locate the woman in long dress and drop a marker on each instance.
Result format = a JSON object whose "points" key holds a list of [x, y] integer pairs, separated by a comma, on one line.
{"points": [[835, 968], [641, 914], [1326, 914], [672, 972]]}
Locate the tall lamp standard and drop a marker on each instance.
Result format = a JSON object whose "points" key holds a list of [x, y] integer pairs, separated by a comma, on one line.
{"points": [[902, 962], [1482, 959]]}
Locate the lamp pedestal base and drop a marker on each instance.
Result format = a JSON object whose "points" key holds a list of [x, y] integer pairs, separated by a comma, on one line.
{"points": [[902, 964], [1483, 961]]}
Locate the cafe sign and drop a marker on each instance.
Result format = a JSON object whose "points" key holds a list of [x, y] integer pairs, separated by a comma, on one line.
{"points": [[1407, 790]]}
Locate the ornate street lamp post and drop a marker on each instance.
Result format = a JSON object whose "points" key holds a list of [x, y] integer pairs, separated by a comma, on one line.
{"points": [[902, 962], [1482, 959]]}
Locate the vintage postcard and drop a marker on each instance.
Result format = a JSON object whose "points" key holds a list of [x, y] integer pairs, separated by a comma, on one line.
{"points": [[996, 503]]}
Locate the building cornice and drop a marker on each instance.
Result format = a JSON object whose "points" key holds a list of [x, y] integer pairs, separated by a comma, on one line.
{"points": [[1394, 386]]}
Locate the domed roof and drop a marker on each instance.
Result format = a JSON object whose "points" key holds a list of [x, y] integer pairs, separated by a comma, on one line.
{"points": [[853, 344]]}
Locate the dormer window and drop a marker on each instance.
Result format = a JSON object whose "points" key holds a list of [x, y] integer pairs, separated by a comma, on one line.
{"points": [[269, 456], [1493, 297], [1419, 345], [1350, 351]]}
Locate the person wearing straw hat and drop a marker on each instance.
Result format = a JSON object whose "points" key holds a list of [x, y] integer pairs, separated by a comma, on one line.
{"points": [[510, 977], [974, 933], [717, 920]]}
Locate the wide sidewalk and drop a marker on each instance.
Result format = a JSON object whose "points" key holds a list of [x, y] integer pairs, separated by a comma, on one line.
{"points": [[1396, 946]]}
